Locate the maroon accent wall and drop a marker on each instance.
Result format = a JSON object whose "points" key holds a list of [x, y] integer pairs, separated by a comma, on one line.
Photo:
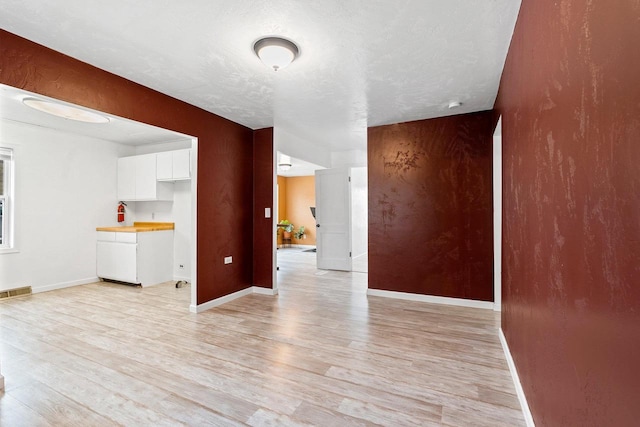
{"points": [[430, 207], [263, 228], [225, 150], [570, 105]]}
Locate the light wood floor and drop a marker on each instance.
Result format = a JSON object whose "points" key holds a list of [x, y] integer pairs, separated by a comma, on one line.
{"points": [[321, 353]]}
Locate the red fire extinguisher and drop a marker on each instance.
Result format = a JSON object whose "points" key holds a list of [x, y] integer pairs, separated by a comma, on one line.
{"points": [[121, 211]]}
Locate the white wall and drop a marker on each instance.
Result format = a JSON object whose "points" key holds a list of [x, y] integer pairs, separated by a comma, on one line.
{"points": [[350, 158], [359, 212], [164, 146], [294, 146], [65, 187]]}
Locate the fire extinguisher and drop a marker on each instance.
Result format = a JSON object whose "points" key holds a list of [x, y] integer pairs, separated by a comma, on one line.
{"points": [[121, 211]]}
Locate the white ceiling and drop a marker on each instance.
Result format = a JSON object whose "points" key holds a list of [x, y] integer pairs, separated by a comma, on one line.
{"points": [[362, 63], [299, 167]]}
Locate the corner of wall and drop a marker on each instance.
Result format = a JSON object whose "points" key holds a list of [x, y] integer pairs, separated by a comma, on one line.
{"points": [[526, 412]]}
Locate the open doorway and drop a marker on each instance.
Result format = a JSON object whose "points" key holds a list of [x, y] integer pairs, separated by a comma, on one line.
{"points": [[77, 166], [295, 211], [307, 195]]}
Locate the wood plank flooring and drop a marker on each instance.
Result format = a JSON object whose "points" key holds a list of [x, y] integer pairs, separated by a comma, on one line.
{"points": [[321, 353]]}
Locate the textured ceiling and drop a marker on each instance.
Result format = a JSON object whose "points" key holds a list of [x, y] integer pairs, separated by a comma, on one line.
{"points": [[362, 63]]}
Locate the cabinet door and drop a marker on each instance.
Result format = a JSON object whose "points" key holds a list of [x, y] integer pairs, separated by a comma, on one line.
{"points": [[127, 178], [127, 267], [182, 164], [117, 261], [106, 260], [146, 182], [164, 164]]}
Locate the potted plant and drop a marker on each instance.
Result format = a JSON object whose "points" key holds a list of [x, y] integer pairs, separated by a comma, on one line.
{"points": [[287, 228], [299, 233]]}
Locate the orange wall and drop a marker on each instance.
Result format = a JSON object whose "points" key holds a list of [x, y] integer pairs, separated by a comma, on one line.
{"points": [[282, 203], [300, 195]]}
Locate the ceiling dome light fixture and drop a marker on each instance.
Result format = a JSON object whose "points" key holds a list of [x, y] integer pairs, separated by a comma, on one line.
{"points": [[285, 163], [454, 104], [276, 52], [65, 111]]}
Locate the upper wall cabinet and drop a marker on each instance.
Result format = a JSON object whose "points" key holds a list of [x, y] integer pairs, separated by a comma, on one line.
{"points": [[137, 179], [127, 178], [174, 165]]}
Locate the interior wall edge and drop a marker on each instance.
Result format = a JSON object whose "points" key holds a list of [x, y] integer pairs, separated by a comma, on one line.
{"points": [[522, 398]]}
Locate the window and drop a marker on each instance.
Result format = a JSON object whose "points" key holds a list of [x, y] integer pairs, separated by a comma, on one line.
{"points": [[6, 198]]}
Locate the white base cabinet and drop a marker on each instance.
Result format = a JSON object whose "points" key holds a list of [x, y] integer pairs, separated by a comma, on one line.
{"points": [[144, 258]]}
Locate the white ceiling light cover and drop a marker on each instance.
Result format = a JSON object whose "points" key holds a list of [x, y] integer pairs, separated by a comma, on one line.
{"points": [[276, 52], [65, 111], [285, 162]]}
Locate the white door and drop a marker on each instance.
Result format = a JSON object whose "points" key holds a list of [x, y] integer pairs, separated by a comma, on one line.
{"points": [[333, 219]]}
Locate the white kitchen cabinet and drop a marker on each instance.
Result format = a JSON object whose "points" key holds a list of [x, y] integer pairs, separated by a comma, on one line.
{"points": [[182, 164], [144, 258], [174, 165], [146, 183], [127, 178], [137, 180], [164, 166]]}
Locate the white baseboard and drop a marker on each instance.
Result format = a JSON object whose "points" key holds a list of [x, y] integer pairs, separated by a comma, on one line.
{"points": [[228, 298], [184, 279], [528, 418], [431, 299], [219, 301], [295, 245], [63, 285], [264, 291]]}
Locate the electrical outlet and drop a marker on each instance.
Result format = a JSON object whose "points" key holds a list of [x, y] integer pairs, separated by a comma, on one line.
{"points": [[153, 215], [228, 259], [181, 266]]}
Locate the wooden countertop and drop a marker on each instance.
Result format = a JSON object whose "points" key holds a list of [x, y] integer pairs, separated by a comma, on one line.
{"points": [[140, 227]]}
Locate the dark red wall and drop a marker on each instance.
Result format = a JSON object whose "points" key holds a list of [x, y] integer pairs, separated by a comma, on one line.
{"points": [[225, 150], [570, 105], [263, 228], [430, 207]]}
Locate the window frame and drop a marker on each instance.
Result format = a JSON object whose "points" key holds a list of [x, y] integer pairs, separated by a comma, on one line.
{"points": [[7, 155]]}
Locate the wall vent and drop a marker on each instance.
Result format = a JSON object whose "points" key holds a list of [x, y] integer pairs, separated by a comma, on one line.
{"points": [[17, 292]]}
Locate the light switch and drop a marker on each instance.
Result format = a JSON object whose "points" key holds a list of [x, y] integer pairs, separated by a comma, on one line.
{"points": [[267, 212]]}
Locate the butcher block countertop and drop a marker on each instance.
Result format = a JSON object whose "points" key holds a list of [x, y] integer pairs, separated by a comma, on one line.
{"points": [[140, 227]]}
